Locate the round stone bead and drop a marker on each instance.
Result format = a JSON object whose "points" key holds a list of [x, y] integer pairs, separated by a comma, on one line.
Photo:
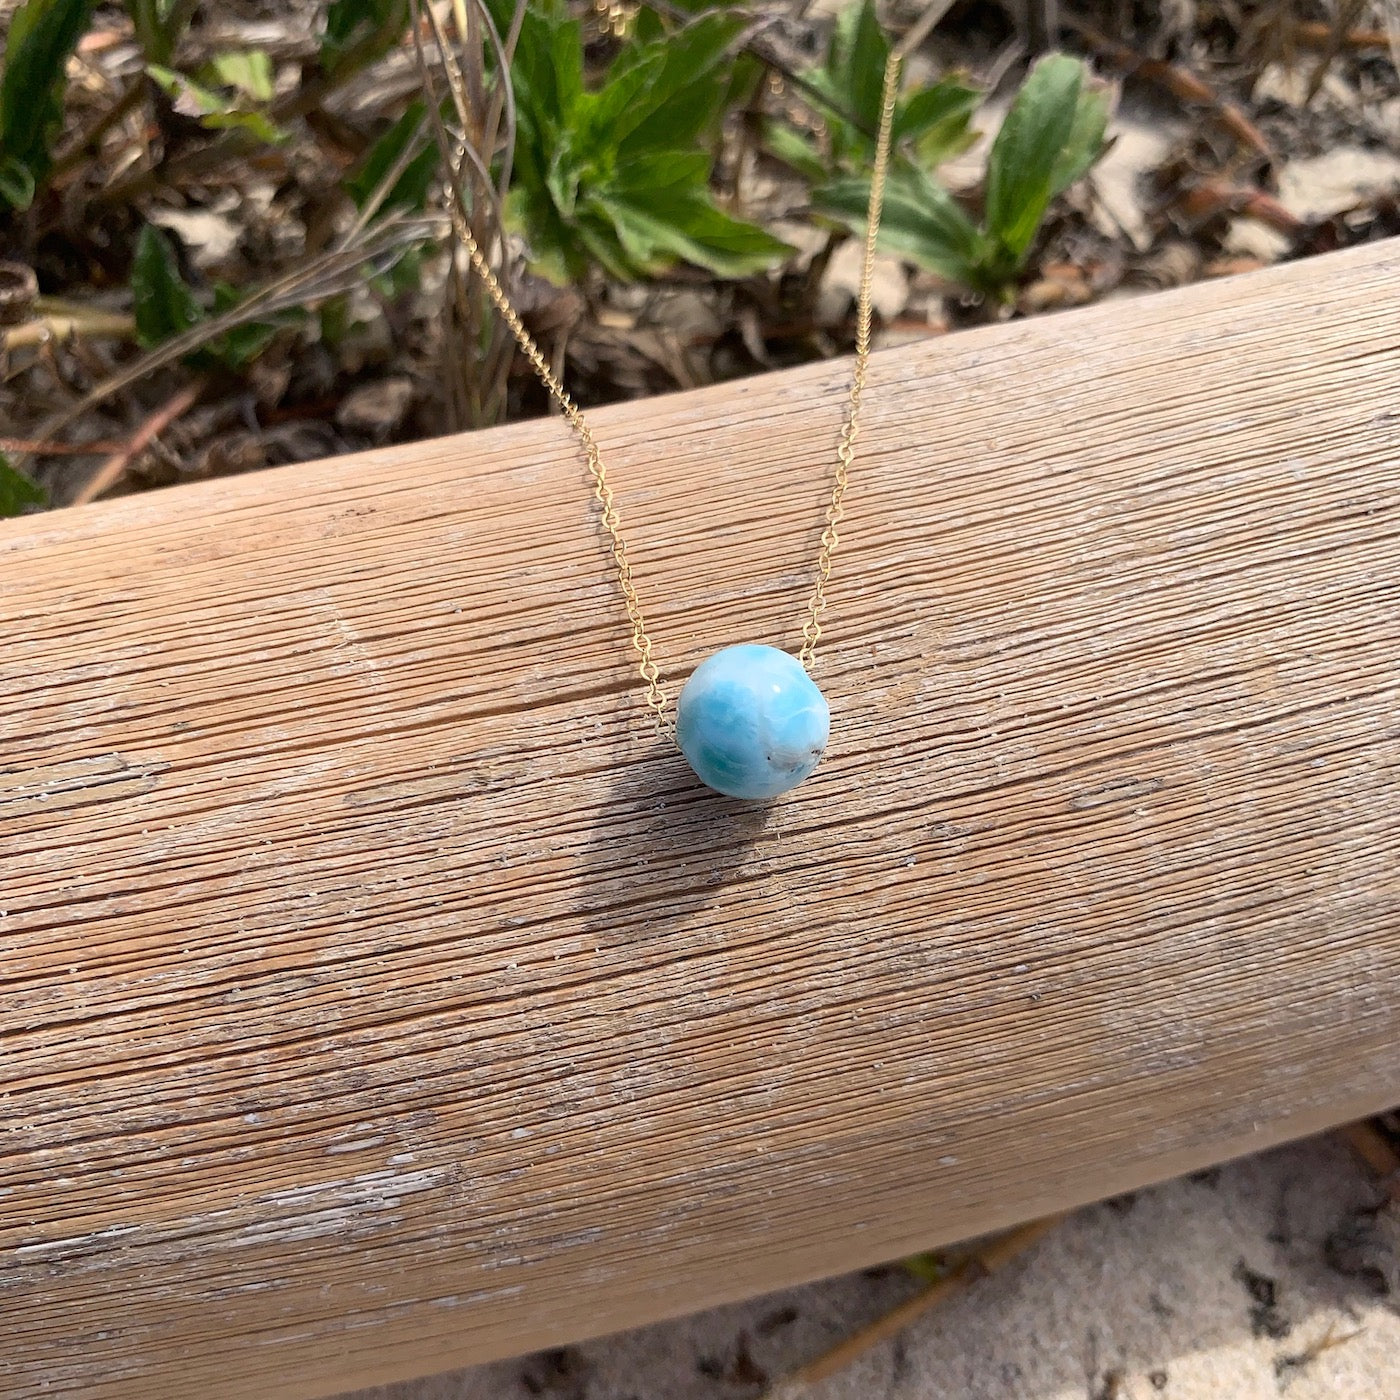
{"points": [[751, 722]]}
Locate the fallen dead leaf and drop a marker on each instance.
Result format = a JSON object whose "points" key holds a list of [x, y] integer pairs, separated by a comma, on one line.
{"points": [[377, 408], [889, 286], [1316, 187]]}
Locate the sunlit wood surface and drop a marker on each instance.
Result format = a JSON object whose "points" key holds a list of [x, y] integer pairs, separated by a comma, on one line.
{"points": [[377, 996]]}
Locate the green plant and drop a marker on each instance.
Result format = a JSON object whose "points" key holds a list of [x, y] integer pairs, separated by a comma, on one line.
{"points": [[1052, 134], [358, 32], [395, 175], [618, 175], [159, 25], [933, 123], [165, 305], [394, 149], [43, 33], [16, 490], [232, 90]]}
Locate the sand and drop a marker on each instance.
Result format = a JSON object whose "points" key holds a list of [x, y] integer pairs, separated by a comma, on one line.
{"points": [[1275, 1276]]}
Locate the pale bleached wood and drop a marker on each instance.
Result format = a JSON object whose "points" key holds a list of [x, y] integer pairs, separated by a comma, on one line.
{"points": [[378, 997]]}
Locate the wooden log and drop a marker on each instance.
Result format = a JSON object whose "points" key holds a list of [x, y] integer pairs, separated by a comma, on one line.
{"points": [[379, 996]]}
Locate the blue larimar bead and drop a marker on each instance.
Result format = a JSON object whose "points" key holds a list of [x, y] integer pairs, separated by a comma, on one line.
{"points": [[751, 722]]}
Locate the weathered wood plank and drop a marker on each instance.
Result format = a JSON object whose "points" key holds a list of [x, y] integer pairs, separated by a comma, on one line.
{"points": [[377, 996]]}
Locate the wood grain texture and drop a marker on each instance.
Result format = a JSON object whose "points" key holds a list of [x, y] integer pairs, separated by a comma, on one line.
{"points": [[378, 997]]}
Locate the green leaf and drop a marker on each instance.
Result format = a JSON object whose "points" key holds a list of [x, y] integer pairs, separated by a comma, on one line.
{"points": [[942, 142], [1084, 145], [937, 121], [17, 491], [165, 306], [163, 302], [605, 117], [148, 20], [662, 206], [697, 50], [921, 222], [42, 36], [563, 181], [664, 176], [159, 25], [188, 97], [618, 177], [600, 230], [647, 26], [404, 274], [16, 183], [858, 53], [848, 87], [1021, 168], [784, 143], [241, 345], [257, 124], [216, 111], [502, 11], [360, 31], [698, 233], [746, 73], [950, 100], [247, 70], [567, 63], [547, 74], [684, 98], [552, 251], [238, 345], [410, 190], [334, 320], [343, 19]]}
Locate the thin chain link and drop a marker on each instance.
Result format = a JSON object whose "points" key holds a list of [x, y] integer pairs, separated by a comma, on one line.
{"points": [[850, 429], [602, 491], [610, 519]]}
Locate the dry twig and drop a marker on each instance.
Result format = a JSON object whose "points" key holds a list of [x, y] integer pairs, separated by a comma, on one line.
{"points": [[1347, 13], [1212, 196], [117, 465], [1185, 86], [93, 325], [1329, 1341], [978, 1265], [475, 380], [1314, 34], [34, 448], [325, 275], [77, 149]]}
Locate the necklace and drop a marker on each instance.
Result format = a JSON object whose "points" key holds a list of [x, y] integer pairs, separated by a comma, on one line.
{"points": [[750, 721]]}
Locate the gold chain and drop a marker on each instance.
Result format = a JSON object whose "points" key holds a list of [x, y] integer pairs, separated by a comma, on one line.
{"points": [[612, 522], [850, 429], [845, 453]]}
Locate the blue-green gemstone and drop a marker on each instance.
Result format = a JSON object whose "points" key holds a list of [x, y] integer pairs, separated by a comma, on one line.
{"points": [[751, 722]]}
